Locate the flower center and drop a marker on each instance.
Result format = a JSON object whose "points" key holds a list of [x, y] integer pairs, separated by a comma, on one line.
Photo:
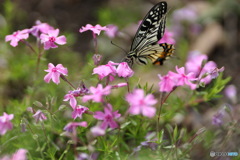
{"points": [[108, 117], [141, 102], [15, 34], [54, 70], [52, 39]]}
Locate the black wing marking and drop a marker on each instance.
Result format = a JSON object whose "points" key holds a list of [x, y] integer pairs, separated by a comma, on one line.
{"points": [[152, 27]]}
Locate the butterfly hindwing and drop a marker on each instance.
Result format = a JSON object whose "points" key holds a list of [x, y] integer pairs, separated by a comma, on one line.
{"points": [[157, 53]]}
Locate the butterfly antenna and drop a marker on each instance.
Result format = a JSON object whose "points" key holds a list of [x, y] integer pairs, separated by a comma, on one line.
{"points": [[119, 47]]}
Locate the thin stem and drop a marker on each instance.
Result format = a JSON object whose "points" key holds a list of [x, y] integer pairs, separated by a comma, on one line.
{"points": [[158, 120], [29, 45], [36, 139], [38, 61], [44, 131], [66, 80], [95, 43], [126, 79], [65, 151]]}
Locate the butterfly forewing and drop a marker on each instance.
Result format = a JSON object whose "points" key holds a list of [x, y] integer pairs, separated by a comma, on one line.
{"points": [[152, 27]]}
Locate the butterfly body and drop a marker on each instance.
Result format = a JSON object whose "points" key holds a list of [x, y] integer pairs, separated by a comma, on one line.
{"points": [[145, 43]]}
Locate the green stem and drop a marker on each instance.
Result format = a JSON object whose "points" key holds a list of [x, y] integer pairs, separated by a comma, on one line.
{"points": [[44, 131], [160, 108]]}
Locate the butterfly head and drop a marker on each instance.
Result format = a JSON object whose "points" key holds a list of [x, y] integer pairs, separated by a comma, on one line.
{"points": [[129, 59]]}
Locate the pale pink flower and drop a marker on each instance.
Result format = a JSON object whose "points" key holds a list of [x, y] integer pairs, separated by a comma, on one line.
{"points": [[140, 104], [167, 38], [5, 123], [167, 83], [51, 39], [97, 131], [97, 93], [17, 36], [78, 111], [40, 28], [107, 117], [123, 70], [30, 109], [106, 70], [95, 29], [70, 127], [112, 31], [83, 156], [72, 100], [119, 85], [182, 78], [231, 92], [39, 116], [181, 18], [54, 73], [20, 154]]}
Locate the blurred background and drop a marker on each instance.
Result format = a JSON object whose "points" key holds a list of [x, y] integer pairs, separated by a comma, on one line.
{"points": [[211, 27]]}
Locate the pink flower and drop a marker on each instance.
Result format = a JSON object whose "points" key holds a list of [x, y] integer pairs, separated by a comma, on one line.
{"points": [[123, 70], [167, 83], [106, 70], [140, 104], [167, 38], [55, 73], [51, 38], [205, 76], [70, 127], [39, 116], [17, 36], [181, 78], [203, 71], [95, 29], [78, 111], [194, 62], [5, 123], [97, 93], [72, 100], [112, 31], [40, 28], [107, 117], [18, 155], [215, 72]]}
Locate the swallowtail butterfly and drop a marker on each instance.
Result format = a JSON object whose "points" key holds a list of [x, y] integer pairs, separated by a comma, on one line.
{"points": [[145, 43]]}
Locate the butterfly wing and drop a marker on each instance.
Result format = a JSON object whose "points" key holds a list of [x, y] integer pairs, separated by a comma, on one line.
{"points": [[152, 27]]}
